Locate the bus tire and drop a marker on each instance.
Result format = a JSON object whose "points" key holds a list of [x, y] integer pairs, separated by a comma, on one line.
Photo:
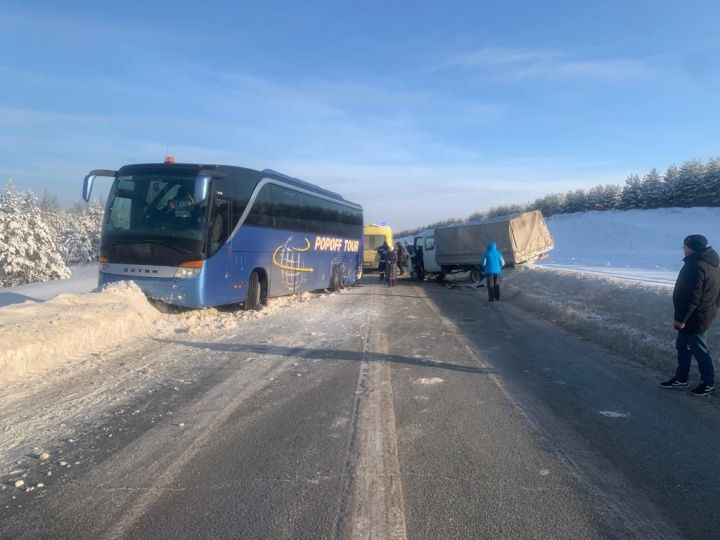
{"points": [[335, 281], [254, 293]]}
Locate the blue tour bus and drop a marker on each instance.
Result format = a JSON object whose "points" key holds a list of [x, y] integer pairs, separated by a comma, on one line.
{"points": [[208, 235]]}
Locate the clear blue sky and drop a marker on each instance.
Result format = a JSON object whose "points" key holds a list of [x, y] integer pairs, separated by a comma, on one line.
{"points": [[418, 110]]}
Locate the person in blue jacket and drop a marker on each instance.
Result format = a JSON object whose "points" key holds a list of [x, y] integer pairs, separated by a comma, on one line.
{"points": [[492, 264]]}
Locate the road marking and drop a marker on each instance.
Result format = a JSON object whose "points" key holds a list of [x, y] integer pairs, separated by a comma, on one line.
{"points": [[373, 505]]}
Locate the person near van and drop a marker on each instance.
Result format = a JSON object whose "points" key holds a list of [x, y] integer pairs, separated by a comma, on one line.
{"points": [[492, 264], [695, 299], [392, 265], [401, 257], [382, 260]]}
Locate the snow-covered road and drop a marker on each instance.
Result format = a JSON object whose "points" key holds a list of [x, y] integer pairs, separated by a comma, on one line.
{"points": [[418, 411]]}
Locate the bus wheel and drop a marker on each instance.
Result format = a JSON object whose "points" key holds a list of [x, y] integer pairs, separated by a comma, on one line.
{"points": [[335, 279], [252, 302]]}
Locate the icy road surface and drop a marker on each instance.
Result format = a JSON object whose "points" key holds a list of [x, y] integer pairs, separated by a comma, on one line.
{"points": [[413, 412]]}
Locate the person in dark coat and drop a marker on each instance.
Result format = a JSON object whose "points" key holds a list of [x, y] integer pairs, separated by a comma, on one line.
{"points": [[695, 298], [382, 261], [392, 261], [492, 264], [401, 257]]}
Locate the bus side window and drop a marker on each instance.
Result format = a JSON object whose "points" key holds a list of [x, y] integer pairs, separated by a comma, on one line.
{"points": [[288, 208], [219, 224], [261, 212]]}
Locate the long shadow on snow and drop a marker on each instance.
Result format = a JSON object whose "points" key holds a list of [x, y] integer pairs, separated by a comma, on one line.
{"points": [[329, 354]]}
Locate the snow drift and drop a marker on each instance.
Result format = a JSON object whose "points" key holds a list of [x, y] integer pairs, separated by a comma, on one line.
{"points": [[40, 336]]}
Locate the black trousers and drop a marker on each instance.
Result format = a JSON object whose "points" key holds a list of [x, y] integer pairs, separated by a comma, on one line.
{"points": [[493, 286]]}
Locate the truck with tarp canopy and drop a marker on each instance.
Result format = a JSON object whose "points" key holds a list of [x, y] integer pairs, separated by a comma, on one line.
{"points": [[522, 238]]}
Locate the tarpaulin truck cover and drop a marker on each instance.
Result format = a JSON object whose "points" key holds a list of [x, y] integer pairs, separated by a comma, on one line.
{"points": [[520, 237]]}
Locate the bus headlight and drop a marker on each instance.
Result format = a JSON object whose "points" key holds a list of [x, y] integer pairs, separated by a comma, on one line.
{"points": [[184, 273], [189, 269]]}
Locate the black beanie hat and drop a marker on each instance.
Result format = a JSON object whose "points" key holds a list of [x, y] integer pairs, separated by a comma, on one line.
{"points": [[696, 242]]}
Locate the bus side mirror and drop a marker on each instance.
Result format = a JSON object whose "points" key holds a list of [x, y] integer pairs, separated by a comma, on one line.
{"points": [[87, 187], [202, 188], [90, 178]]}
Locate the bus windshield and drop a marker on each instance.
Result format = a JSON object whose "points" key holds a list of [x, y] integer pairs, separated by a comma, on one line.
{"points": [[156, 213]]}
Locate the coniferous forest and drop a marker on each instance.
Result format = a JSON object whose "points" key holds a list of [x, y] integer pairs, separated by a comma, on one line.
{"points": [[694, 183]]}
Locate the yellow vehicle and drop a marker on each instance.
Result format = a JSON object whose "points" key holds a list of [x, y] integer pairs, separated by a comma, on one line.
{"points": [[373, 238]]}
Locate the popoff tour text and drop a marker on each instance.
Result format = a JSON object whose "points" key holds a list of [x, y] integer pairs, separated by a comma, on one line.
{"points": [[327, 243]]}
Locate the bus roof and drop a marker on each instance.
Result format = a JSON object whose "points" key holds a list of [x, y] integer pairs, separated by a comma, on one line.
{"points": [[195, 168]]}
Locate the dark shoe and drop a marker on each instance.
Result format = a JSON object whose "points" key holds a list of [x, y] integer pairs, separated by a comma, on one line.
{"points": [[674, 383], [703, 390]]}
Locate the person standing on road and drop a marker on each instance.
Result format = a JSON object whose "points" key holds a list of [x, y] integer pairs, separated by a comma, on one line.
{"points": [[392, 265], [492, 264], [695, 298], [382, 260], [401, 257]]}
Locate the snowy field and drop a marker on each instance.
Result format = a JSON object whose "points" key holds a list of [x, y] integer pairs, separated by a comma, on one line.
{"points": [[609, 277], [639, 245], [83, 279]]}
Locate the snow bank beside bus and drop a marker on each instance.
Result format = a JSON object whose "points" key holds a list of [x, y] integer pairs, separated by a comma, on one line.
{"points": [[631, 318], [39, 336]]}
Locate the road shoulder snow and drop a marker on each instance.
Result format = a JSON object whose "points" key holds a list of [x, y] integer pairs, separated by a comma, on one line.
{"points": [[37, 337], [631, 318]]}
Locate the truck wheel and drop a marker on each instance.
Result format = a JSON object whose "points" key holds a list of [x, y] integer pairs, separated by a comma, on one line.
{"points": [[476, 275], [252, 302], [419, 273]]}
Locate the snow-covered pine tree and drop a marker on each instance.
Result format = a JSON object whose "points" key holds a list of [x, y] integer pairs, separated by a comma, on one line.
{"points": [[28, 252], [652, 190], [576, 201], [690, 180], [670, 192], [80, 238], [711, 181], [631, 196], [549, 205], [605, 197], [611, 196]]}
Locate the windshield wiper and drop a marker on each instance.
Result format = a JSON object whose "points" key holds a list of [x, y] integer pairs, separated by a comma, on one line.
{"points": [[166, 244]]}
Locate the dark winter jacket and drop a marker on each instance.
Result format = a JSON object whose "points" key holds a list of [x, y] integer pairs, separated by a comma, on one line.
{"points": [[382, 259], [401, 254], [383, 252], [493, 261], [696, 291]]}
